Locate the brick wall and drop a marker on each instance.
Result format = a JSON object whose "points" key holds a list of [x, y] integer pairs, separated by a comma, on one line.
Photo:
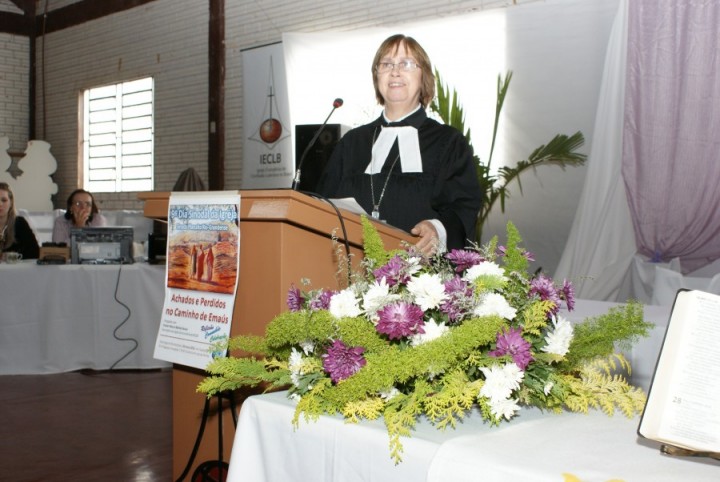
{"points": [[14, 90]]}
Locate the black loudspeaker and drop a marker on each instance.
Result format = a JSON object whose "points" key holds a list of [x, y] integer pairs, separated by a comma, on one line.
{"points": [[318, 155]]}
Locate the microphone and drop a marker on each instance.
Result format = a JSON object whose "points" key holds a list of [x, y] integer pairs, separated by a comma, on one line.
{"points": [[296, 181]]}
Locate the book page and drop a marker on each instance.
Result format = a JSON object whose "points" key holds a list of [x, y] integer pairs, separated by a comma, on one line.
{"points": [[683, 406]]}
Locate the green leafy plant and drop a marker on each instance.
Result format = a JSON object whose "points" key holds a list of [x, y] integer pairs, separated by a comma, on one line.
{"points": [[561, 150]]}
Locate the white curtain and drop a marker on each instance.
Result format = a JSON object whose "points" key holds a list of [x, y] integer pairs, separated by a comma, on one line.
{"points": [[601, 245]]}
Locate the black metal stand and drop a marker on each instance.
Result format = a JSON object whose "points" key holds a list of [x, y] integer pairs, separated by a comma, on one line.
{"points": [[212, 470]]}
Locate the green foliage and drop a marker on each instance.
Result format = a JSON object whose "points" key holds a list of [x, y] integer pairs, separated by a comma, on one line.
{"points": [[373, 247], [397, 366], [561, 150], [229, 373], [596, 388], [370, 408], [455, 396], [535, 317], [619, 328], [515, 261], [249, 344]]}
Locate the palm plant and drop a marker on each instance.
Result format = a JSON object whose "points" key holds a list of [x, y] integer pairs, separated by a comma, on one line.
{"points": [[561, 150]]}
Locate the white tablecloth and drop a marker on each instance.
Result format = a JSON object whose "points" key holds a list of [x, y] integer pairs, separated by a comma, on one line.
{"points": [[657, 283], [533, 447], [267, 448], [61, 318]]}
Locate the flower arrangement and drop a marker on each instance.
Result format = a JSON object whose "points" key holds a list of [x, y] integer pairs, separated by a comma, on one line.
{"points": [[438, 337]]}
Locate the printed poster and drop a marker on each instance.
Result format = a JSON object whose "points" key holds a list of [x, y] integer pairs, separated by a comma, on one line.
{"points": [[203, 262]]}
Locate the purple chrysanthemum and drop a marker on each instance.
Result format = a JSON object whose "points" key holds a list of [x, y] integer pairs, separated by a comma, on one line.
{"points": [[342, 361], [464, 259], [400, 319], [458, 291], [510, 342], [321, 301], [568, 292], [543, 287], [295, 299], [394, 271], [458, 285]]}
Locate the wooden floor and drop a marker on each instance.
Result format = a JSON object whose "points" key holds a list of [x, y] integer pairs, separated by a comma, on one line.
{"points": [[86, 426]]}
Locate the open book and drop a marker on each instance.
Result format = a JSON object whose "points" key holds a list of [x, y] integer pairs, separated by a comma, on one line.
{"points": [[683, 406]]}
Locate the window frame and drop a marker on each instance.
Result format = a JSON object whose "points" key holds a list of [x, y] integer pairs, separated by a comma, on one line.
{"points": [[118, 136]]}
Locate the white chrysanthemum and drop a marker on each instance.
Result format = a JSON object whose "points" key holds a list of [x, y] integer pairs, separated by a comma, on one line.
{"points": [[433, 330], [495, 304], [388, 395], [345, 304], [486, 268], [504, 408], [548, 386], [414, 264], [377, 296], [294, 365], [428, 291], [307, 346], [558, 341], [501, 381]]}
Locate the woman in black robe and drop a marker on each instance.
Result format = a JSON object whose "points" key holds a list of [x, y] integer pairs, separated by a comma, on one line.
{"points": [[405, 168]]}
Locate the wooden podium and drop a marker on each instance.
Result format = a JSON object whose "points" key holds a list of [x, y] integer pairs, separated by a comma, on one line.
{"points": [[285, 236]]}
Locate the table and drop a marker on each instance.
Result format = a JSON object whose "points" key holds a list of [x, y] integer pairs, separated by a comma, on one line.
{"points": [[534, 446], [59, 318]]}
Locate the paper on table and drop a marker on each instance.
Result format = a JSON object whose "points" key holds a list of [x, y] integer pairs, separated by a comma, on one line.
{"points": [[349, 204]]}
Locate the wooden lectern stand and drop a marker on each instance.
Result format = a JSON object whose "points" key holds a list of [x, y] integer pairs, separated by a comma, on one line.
{"points": [[285, 236]]}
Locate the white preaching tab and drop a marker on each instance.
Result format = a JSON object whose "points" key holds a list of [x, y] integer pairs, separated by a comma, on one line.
{"points": [[408, 143]]}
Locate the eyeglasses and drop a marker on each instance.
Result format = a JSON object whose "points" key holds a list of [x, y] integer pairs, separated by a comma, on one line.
{"points": [[403, 65], [83, 204]]}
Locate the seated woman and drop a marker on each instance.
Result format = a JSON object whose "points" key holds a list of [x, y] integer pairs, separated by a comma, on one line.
{"points": [[15, 232], [81, 211]]}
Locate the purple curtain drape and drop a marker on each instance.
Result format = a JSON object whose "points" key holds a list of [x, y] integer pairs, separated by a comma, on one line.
{"points": [[671, 145]]}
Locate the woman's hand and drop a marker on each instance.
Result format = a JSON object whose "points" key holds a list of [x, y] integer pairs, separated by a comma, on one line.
{"points": [[429, 240], [80, 216]]}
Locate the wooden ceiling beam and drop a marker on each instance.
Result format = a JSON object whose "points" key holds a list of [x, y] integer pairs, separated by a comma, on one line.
{"points": [[216, 100], [81, 12], [27, 6], [16, 24]]}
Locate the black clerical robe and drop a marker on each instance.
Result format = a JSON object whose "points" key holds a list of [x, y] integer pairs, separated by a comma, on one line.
{"points": [[447, 189]]}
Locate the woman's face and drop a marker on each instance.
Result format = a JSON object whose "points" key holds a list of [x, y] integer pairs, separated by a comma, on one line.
{"points": [[5, 203], [400, 89], [81, 205]]}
